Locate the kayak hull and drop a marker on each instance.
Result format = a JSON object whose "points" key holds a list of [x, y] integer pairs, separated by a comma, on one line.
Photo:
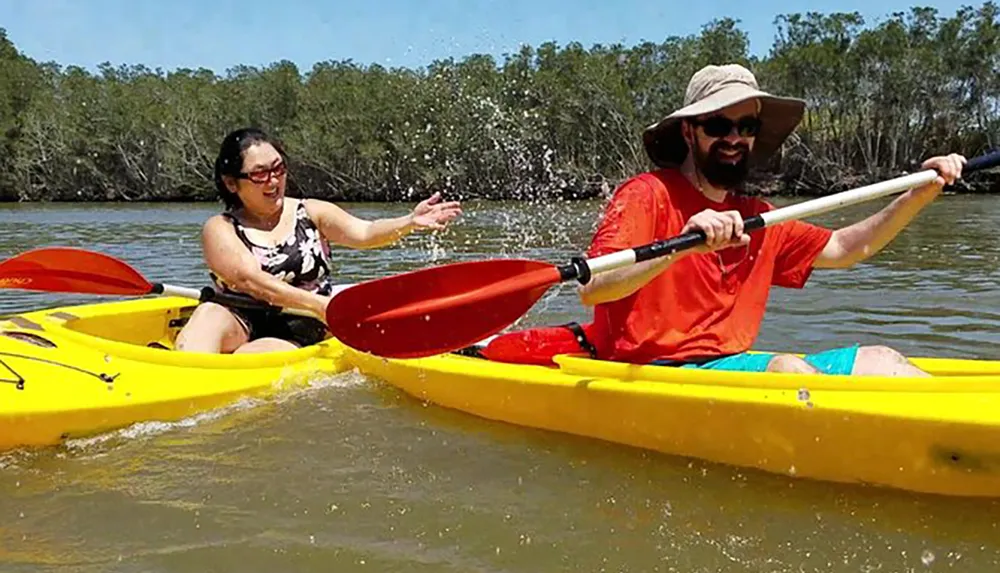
{"points": [[78, 371], [938, 435]]}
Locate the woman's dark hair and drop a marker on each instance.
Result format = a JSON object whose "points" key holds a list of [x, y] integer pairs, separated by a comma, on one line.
{"points": [[230, 160]]}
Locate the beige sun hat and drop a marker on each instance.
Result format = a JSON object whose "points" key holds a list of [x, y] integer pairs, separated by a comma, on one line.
{"points": [[711, 89]]}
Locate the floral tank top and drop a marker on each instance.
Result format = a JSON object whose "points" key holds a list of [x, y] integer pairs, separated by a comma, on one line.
{"points": [[302, 260]]}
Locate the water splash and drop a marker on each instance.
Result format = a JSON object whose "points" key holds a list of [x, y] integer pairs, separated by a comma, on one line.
{"points": [[101, 444]]}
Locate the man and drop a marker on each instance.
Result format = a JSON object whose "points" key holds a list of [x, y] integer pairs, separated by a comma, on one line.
{"points": [[703, 308]]}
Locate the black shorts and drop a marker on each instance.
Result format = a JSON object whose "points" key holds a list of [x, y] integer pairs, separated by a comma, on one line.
{"points": [[300, 330]]}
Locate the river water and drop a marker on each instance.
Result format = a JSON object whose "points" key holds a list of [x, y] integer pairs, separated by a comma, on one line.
{"points": [[354, 476]]}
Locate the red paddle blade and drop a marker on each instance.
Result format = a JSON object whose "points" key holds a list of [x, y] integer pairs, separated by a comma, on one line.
{"points": [[439, 309], [66, 269]]}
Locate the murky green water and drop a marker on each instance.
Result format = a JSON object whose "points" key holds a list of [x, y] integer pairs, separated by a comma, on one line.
{"points": [[354, 476]]}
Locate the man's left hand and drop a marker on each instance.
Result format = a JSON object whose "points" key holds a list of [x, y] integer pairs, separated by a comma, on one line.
{"points": [[949, 168]]}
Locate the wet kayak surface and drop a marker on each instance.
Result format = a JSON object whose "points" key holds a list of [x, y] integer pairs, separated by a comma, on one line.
{"points": [[352, 475]]}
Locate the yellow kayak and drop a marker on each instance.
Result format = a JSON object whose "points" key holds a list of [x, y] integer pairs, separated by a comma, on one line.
{"points": [[939, 435], [82, 370]]}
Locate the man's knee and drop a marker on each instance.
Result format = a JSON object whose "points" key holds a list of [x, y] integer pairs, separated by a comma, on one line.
{"points": [[880, 360], [879, 354], [789, 363]]}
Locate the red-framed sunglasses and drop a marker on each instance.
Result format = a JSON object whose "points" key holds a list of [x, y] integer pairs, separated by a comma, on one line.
{"points": [[264, 175]]}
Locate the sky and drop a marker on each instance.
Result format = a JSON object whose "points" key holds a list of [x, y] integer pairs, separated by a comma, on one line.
{"points": [[220, 34]]}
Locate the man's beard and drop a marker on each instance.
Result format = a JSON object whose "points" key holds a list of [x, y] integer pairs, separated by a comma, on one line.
{"points": [[723, 174]]}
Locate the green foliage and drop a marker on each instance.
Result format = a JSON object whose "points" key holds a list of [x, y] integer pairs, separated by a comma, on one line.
{"points": [[545, 121], [883, 98]]}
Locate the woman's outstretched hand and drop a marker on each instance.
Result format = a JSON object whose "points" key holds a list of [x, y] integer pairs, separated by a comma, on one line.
{"points": [[431, 213]]}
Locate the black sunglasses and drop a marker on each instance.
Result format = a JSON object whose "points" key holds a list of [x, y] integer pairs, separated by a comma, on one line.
{"points": [[721, 126]]}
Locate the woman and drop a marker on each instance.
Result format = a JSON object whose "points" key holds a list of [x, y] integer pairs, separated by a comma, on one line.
{"points": [[275, 249]]}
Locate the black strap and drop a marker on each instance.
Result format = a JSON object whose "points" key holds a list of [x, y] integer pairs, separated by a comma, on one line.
{"points": [[581, 338], [470, 351]]}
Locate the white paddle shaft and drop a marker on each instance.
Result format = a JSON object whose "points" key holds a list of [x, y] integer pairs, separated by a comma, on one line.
{"points": [[627, 257]]}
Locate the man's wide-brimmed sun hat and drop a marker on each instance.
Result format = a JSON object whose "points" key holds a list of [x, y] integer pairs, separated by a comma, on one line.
{"points": [[711, 89]]}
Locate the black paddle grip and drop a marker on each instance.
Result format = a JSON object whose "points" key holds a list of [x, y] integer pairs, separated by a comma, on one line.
{"points": [[981, 162], [687, 241], [577, 268], [209, 294]]}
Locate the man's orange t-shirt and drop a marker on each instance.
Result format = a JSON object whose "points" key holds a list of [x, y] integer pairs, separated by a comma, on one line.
{"points": [[703, 304]]}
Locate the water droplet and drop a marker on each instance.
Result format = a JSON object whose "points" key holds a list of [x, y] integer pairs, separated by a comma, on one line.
{"points": [[803, 394], [927, 557], [668, 510]]}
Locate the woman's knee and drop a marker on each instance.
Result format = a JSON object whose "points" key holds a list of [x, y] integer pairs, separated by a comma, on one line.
{"points": [[266, 345], [207, 311], [211, 328]]}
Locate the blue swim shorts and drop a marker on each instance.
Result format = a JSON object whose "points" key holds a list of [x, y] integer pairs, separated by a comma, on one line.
{"points": [[837, 361]]}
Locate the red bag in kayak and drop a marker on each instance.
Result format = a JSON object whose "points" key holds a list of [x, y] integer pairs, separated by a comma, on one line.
{"points": [[539, 345]]}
